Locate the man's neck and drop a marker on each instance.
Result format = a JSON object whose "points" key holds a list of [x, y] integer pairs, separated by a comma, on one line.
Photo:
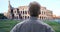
{"points": [[33, 18]]}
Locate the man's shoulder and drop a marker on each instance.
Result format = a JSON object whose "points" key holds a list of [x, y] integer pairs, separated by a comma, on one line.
{"points": [[43, 23], [22, 22]]}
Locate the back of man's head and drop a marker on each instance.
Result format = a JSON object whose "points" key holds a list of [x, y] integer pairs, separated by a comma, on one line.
{"points": [[34, 9]]}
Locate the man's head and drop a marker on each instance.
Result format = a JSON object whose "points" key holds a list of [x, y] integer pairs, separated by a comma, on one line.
{"points": [[34, 9]]}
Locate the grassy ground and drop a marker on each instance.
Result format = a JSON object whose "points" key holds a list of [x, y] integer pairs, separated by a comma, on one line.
{"points": [[54, 25], [7, 25]]}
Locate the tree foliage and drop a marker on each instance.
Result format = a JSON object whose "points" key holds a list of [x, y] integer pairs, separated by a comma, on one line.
{"points": [[2, 16]]}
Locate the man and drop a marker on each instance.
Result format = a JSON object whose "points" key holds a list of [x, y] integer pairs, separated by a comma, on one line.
{"points": [[32, 24]]}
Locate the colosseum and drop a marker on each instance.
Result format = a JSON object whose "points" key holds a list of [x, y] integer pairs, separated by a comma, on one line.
{"points": [[22, 13]]}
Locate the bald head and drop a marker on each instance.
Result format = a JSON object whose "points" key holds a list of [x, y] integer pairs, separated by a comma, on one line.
{"points": [[34, 9]]}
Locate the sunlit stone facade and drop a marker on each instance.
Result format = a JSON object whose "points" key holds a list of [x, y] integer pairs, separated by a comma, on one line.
{"points": [[45, 14]]}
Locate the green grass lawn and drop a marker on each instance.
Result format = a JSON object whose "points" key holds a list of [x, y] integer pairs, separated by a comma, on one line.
{"points": [[55, 25], [7, 25]]}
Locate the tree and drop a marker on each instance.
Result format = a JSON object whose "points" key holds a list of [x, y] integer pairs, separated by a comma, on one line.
{"points": [[2, 16]]}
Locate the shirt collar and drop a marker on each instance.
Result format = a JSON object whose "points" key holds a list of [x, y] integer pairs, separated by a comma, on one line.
{"points": [[33, 18]]}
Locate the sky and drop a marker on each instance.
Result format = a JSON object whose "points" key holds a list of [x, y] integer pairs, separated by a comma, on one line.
{"points": [[53, 5]]}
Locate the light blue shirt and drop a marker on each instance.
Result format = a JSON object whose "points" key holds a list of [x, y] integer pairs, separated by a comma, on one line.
{"points": [[32, 25]]}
